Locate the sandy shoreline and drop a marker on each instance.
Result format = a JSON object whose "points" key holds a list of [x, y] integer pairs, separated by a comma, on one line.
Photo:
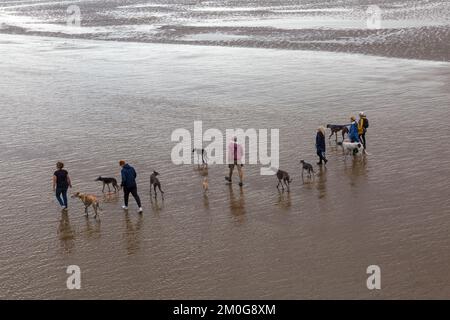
{"points": [[412, 31]]}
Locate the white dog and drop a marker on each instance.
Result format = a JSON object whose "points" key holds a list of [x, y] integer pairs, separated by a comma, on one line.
{"points": [[353, 148]]}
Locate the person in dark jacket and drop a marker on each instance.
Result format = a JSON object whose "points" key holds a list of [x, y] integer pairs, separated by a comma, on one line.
{"points": [[320, 145], [129, 184], [61, 183]]}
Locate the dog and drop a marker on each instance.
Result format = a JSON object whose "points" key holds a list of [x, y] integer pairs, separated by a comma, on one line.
{"points": [[308, 168], [335, 128], [88, 200], [201, 153], [356, 148], [205, 185], [283, 176], [108, 182], [154, 182]]}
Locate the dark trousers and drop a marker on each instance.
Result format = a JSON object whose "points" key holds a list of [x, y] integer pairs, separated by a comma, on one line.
{"points": [[321, 155], [61, 192], [362, 138], [133, 191]]}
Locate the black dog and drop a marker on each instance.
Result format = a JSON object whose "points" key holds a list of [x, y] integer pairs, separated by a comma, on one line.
{"points": [[335, 128], [283, 176], [108, 182], [154, 182]]}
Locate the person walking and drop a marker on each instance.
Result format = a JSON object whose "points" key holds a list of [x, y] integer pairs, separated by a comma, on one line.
{"points": [[321, 145], [235, 153], [61, 183], [129, 185], [353, 132], [363, 125]]}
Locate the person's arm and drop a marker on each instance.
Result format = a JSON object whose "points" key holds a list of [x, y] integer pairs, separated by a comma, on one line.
{"points": [[134, 173], [69, 182], [54, 183], [122, 184]]}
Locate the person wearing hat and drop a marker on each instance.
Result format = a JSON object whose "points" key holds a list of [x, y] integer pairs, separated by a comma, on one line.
{"points": [[129, 184], [363, 124], [353, 132], [321, 145]]}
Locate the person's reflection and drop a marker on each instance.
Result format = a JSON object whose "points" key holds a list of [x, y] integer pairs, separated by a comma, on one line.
{"points": [[237, 204], [66, 233], [133, 233], [322, 182], [206, 201], [284, 200]]}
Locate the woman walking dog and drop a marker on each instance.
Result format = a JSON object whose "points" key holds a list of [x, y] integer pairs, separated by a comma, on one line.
{"points": [[61, 183], [321, 146]]}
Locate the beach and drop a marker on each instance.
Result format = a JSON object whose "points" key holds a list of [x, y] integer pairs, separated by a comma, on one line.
{"points": [[92, 103]]}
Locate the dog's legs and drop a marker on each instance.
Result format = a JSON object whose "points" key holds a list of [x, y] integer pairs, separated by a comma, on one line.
{"points": [[103, 190], [86, 211], [278, 184], [109, 188], [154, 188], [162, 192], [303, 179]]}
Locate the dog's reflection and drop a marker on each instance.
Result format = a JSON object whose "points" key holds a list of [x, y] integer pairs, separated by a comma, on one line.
{"points": [[92, 229], [133, 233], [237, 203], [284, 200], [65, 233], [157, 205], [112, 197]]}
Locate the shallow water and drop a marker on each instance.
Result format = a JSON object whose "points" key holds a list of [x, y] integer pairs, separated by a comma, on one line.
{"points": [[91, 103], [418, 29]]}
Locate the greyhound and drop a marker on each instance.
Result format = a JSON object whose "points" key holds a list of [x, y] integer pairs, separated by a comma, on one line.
{"points": [[308, 168], [154, 182], [201, 153], [335, 128], [108, 182], [283, 176], [88, 200]]}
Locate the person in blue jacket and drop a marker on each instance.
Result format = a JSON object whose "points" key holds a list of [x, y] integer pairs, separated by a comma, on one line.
{"points": [[129, 184], [320, 145], [353, 132]]}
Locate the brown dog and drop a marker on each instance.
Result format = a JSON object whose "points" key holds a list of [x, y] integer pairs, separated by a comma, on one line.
{"points": [[88, 200]]}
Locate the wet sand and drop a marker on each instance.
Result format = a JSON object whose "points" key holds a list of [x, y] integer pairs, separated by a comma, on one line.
{"points": [[408, 29], [91, 103]]}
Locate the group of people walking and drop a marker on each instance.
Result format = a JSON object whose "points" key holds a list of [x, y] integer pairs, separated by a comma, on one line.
{"points": [[62, 182], [357, 133]]}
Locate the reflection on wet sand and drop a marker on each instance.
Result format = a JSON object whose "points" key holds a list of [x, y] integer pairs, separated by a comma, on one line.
{"points": [[66, 233], [133, 233], [321, 181], [92, 229], [237, 204], [284, 200]]}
